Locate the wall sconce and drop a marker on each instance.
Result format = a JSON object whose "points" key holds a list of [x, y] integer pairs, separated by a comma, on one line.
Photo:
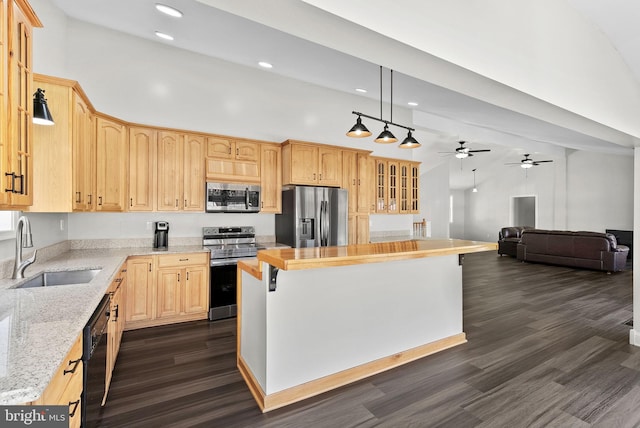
{"points": [[41, 113]]}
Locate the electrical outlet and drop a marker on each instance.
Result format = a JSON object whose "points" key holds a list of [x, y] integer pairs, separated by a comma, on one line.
{"points": [[148, 225], [61, 224]]}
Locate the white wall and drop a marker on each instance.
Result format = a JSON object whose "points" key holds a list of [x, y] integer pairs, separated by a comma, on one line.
{"points": [[434, 200], [456, 228], [183, 225], [600, 191], [45, 230]]}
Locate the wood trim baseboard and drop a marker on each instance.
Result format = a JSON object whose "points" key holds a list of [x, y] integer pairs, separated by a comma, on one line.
{"points": [[318, 386]]}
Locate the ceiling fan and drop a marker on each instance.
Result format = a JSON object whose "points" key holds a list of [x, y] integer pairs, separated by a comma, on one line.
{"points": [[463, 152], [527, 162]]}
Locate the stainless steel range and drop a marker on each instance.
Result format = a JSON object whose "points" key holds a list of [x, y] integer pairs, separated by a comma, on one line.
{"points": [[227, 246]]}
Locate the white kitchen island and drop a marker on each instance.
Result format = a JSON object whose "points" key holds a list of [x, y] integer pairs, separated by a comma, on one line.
{"points": [[313, 319]]}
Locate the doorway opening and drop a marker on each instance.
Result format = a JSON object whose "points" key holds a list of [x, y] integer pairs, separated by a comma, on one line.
{"points": [[524, 210]]}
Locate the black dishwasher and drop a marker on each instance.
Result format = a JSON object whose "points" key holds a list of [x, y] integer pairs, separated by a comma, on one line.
{"points": [[94, 359]]}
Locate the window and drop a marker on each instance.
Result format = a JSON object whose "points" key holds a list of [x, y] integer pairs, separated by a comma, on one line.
{"points": [[8, 221]]}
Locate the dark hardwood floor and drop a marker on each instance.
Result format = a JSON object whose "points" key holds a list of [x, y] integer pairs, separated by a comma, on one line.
{"points": [[547, 347]]}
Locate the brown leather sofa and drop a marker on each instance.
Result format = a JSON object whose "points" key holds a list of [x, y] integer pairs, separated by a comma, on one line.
{"points": [[590, 250], [508, 239]]}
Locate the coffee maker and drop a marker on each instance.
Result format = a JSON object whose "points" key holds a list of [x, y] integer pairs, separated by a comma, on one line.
{"points": [[161, 235]]}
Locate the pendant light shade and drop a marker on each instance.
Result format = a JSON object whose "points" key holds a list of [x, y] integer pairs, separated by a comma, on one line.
{"points": [[358, 130], [41, 113], [386, 136], [409, 142]]}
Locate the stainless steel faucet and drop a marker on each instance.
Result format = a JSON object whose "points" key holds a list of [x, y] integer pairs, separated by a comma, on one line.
{"points": [[23, 240]]}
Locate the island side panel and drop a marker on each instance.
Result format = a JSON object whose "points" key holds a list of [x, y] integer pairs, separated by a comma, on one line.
{"points": [[323, 321], [253, 337]]}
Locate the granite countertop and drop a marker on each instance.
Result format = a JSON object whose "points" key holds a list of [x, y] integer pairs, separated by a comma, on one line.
{"points": [[38, 326]]}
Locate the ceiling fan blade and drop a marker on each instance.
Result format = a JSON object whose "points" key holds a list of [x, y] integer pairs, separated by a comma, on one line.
{"points": [[536, 162], [513, 163], [478, 151]]}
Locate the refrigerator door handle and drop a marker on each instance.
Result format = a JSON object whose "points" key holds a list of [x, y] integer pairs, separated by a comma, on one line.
{"points": [[323, 223], [246, 198], [327, 224]]}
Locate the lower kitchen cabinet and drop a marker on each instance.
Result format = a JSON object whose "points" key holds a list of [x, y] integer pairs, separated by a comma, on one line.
{"points": [[65, 387], [140, 292], [176, 284], [116, 323], [358, 228]]}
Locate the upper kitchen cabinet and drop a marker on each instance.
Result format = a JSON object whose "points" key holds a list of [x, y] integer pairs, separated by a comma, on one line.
{"points": [[142, 168], [111, 164], [271, 178], [311, 164], [193, 182], [17, 19], [169, 171], [396, 186], [232, 160], [357, 176], [64, 154]]}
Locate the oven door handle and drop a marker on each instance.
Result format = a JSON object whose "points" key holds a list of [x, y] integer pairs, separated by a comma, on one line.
{"points": [[227, 262]]}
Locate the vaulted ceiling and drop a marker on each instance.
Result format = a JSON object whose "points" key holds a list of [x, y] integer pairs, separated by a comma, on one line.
{"points": [[321, 42]]}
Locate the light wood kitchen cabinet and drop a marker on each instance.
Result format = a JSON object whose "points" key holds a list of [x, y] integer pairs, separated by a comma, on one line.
{"points": [[311, 164], [193, 181], [65, 388], [17, 20], [168, 289], [83, 153], [182, 287], [387, 185], [115, 327], [415, 188], [111, 164], [356, 178], [170, 173], [232, 160], [142, 169], [271, 178], [63, 153], [139, 292], [396, 186], [226, 148]]}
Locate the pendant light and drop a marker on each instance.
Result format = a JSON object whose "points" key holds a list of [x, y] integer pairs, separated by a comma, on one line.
{"points": [[386, 136], [359, 130], [41, 113]]}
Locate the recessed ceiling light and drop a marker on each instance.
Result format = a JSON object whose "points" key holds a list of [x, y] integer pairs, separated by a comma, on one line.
{"points": [[265, 64], [168, 10], [164, 36], [412, 103], [364, 91]]}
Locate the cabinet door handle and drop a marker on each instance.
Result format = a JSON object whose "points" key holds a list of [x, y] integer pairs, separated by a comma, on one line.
{"points": [[116, 310], [354, 181], [183, 260], [75, 405], [100, 200], [237, 152], [178, 277], [21, 178], [176, 203], [75, 366], [358, 181], [149, 267], [12, 189], [89, 199], [320, 177], [314, 175], [229, 149], [131, 202], [187, 276], [78, 197], [118, 280], [185, 202]]}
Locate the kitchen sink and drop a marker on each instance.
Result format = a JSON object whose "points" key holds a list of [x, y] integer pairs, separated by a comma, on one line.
{"points": [[48, 279]]}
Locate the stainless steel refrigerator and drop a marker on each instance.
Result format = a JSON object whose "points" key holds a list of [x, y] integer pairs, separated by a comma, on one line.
{"points": [[312, 217]]}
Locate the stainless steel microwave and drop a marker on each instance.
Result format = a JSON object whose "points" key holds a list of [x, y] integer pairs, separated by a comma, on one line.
{"points": [[232, 198]]}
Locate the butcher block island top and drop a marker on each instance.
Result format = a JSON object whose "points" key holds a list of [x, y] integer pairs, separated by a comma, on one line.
{"points": [[321, 257]]}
